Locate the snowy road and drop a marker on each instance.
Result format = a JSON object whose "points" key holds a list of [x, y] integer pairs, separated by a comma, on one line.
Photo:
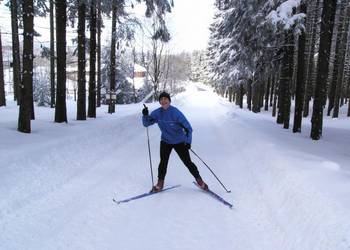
{"points": [[57, 184]]}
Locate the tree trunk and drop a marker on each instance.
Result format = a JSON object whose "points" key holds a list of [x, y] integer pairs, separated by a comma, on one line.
{"points": [[285, 81], [280, 95], [261, 93], [133, 74], [16, 62], [99, 30], [25, 108], [342, 52], [342, 94], [267, 91], [230, 93], [92, 75], [288, 78], [274, 106], [2, 82], [256, 97], [249, 94], [277, 90], [273, 86], [348, 105], [347, 92], [300, 85], [241, 94], [236, 94], [311, 61], [111, 107], [61, 19], [52, 54], [81, 103], [327, 22], [337, 59]]}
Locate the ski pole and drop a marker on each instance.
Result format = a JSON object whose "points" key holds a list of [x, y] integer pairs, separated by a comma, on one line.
{"points": [[149, 153], [228, 191]]}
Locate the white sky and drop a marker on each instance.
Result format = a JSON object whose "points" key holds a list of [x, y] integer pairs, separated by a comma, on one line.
{"points": [[188, 24]]}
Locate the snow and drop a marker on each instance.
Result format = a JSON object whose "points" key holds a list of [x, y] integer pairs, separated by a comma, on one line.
{"points": [[284, 14], [57, 183]]}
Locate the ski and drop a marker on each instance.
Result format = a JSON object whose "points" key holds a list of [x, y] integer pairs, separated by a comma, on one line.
{"points": [[214, 195], [144, 195]]}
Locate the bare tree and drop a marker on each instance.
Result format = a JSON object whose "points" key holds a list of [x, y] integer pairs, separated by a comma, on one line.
{"points": [[155, 63]]}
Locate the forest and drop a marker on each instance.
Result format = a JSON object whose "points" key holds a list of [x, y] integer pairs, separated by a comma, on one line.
{"points": [[279, 53], [291, 57]]}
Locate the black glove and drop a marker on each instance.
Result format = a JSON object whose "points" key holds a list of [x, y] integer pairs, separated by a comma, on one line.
{"points": [[188, 146], [145, 111]]}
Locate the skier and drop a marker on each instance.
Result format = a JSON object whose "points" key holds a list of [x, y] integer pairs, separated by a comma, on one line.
{"points": [[176, 134]]}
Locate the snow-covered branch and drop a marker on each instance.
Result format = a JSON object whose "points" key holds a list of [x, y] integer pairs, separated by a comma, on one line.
{"points": [[284, 14]]}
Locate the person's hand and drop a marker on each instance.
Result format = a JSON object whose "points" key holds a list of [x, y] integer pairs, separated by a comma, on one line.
{"points": [[188, 146], [145, 111]]}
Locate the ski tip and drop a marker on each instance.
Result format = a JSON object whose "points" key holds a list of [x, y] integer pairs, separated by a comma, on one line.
{"points": [[114, 200]]}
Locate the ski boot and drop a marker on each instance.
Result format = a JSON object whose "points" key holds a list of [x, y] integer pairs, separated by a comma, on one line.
{"points": [[202, 184], [158, 187]]}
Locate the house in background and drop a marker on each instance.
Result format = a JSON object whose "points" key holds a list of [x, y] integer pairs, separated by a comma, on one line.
{"points": [[140, 76], [8, 70], [72, 80]]}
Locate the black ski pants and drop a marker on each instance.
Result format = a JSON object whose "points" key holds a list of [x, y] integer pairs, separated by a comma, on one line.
{"points": [[184, 154]]}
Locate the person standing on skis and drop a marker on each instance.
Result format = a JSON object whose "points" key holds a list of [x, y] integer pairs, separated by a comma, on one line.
{"points": [[176, 134]]}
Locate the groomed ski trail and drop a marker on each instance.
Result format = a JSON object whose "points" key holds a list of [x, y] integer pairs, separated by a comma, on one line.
{"points": [[62, 200]]}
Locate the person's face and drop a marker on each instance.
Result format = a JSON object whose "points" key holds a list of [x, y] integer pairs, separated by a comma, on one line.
{"points": [[164, 102]]}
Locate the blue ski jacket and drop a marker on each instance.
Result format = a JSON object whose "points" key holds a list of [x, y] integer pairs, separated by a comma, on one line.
{"points": [[172, 123]]}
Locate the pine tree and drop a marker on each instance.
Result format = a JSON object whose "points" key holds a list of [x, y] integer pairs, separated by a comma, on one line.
{"points": [[25, 109], [15, 51], [111, 107], [342, 51], [92, 74], [99, 30], [2, 83], [327, 22], [52, 55], [337, 57], [267, 89], [81, 103], [61, 19], [300, 84], [313, 36], [348, 93]]}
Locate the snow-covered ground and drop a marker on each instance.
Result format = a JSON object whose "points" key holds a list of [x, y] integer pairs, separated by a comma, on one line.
{"points": [[288, 191]]}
